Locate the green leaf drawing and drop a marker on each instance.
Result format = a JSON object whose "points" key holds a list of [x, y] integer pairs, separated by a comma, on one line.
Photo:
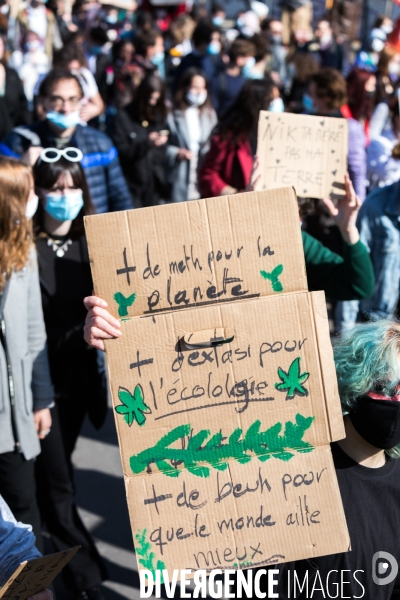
{"points": [[216, 452], [147, 558], [292, 381], [273, 277], [123, 303], [132, 407]]}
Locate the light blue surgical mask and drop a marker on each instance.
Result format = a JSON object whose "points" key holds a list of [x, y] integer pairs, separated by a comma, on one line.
{"points": [[308, 104], [96, 50], [112, 19], [64, 121], [248, 70], [214, 48], [240, 22], [65, 207], [158, 59], [218, 21], [277, 106]]}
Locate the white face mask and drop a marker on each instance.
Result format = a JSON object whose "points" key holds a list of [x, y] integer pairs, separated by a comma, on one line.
{"points": [[196, 99], [31, 207], [387, 29]]}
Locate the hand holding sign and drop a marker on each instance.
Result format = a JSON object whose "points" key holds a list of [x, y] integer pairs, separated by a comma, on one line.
{"points": [[345, 212]]}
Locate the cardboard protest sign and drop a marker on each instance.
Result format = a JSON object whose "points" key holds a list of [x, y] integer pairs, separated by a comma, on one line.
{"points": [[225, 404], [33, 576], [307, 152]]}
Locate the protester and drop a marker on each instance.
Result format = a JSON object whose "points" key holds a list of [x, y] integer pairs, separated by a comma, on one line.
{"points": [[36, 17], [140, 133], [227, 166], [31, 63], [378, 226], [383, 153], [273, 30], [123, 76], [150, 57], [304, 67], [80, 390], [17, 544], [361, 93], [27, 393], [367, 469], [61, 96], [200, 57], [329, 53], [227, 84], [327, 93], [190, 125], [13, 104]]}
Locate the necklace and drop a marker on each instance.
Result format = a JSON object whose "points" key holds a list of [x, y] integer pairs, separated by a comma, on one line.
{"points": [[58, 247]]}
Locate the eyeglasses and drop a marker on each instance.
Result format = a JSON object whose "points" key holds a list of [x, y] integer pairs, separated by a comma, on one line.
{"points": [[58, 102], [51, 155]]}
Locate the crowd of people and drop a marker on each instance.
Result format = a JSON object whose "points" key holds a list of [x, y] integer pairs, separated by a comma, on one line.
{"points": [[114, 106]]}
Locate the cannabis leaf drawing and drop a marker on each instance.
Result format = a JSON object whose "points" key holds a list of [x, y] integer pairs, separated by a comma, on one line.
{"points": [[292, 381], [273, 277], [123, 303], [132, 407], [280, 441], [147, 558]]}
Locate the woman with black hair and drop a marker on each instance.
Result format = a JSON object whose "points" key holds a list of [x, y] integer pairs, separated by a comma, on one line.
{"points": [[140, 134], [77, 376], [227, 167], [190, 123]]}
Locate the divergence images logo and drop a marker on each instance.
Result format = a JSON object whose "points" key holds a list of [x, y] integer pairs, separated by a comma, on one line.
{"points": [[381, 561]]}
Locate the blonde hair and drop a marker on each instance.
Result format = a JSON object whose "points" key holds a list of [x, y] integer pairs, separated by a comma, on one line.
{"points": [[15, 228]]}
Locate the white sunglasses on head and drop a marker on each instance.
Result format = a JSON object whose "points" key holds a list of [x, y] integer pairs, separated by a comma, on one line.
{"points": [[51, 155]]}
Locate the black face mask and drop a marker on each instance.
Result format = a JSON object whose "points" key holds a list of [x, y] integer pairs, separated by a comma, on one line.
{"points": [[377, 421]]}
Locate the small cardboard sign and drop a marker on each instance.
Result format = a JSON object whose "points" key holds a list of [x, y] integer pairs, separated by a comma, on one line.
{"points": [[225, 405], [34, 576], [307, 152]]}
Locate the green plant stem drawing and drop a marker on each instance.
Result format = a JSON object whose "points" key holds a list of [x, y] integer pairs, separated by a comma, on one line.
{"points": [[133, 406], [147, 558], [292, 381], [273, 277], [264, 444], [123, 303]]}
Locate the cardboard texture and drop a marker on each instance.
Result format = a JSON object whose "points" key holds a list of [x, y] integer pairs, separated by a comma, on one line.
{"points": [[307, 152], [36, 575], [224, 409]]}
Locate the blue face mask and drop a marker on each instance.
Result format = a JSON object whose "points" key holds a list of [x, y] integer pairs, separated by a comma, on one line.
{"points": [[277, 106], [64, 208], [112, 19], [308, 104], [64, 121], [248, 70], [158, 59], [214, 48], [218, 21]]}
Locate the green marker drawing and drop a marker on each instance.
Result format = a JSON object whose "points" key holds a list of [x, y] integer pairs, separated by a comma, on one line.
{"points": [[198, 451], [123, 303], [132, 407], [292, 381], [273, 277], [147, 558]]}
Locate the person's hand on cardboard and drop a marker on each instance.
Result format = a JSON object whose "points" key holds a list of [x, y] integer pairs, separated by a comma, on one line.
{"points": [[99, 324], [45, 595], [254, 175], [345, 212]]}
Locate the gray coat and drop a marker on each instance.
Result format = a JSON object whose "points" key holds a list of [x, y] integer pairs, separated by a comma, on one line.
{"points": [[26, 343], [178, 170]]}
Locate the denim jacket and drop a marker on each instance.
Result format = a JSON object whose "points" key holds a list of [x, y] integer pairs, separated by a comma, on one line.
{"points": [[379, 226]]}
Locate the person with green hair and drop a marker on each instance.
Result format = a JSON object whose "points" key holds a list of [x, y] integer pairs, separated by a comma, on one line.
{"points": [[367, 359]]}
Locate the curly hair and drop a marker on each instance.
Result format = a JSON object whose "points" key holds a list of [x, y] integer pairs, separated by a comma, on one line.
{"points": [[15, 228], [367, 355]]}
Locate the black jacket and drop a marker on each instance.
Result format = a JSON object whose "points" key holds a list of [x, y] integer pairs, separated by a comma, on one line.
{"points": [[13, 105], [142, 163]]}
